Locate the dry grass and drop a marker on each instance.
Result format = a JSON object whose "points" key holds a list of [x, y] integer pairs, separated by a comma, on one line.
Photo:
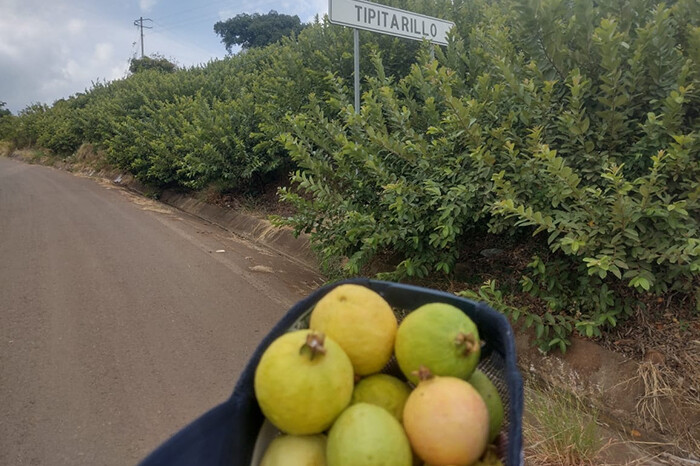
{"points": [[32, 156], [667, 396], [560, 429], [5, 149], [87, 157], [657, 392], [665, 340]]}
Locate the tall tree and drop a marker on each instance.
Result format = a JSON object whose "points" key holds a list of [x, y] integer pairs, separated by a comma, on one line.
{"points": [[156, 62], [256, 30], [4, 111], [6, 121]]}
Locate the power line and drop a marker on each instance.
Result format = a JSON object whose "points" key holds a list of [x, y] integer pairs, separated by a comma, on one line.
{"points": [[139, 23]]}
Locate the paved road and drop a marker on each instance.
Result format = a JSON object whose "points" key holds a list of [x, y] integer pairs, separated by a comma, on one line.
{"points": [[119, 320]]}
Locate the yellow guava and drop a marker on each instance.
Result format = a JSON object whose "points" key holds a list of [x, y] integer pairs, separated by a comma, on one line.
{"points": [[303, 382], [384, 391], [367, 435], [296, 450], [362, 323], [493, 401], [446, 421], [440, 337]]}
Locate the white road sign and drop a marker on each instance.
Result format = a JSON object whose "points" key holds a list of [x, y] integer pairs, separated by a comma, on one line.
{"points": [[387, 20]]}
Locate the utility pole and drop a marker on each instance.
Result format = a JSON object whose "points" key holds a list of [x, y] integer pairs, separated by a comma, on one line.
{"points": [[139, 23]]}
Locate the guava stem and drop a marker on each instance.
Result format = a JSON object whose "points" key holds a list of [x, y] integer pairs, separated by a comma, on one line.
{"points": [[467, 341], [313, 344]]}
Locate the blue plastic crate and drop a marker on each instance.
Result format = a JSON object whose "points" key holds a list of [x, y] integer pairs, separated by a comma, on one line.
{"points": [[227, 434]]}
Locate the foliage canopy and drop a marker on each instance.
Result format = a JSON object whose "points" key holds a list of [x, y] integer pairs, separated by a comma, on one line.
{"points": [[4, 111], [156, 63], [256, 30]]}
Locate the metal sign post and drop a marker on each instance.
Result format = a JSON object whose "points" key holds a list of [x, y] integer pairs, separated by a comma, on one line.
{"points": [[361, 14], [356, 33]]}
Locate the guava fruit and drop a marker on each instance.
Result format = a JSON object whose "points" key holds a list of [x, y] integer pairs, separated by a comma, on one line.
{"points": [[490, 458], [361, 322], [440, 337], [494, 404], [384, 391], [446, 421], [296, 450], [367, 435], [303, 382]]}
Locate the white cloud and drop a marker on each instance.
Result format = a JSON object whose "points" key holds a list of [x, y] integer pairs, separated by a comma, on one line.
{"points": [[59, 48], [147, 5], [103, 51], [52, 49], [75, 26], [53, 53], [313, 8], [11, 51], [305, 10]]}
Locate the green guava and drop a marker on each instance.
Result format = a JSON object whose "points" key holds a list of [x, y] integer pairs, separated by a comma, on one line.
{"points": [[367, 435], [296, 450], [489, 393], [361, 322], [303, 382], [440, 337], [384, 391]]}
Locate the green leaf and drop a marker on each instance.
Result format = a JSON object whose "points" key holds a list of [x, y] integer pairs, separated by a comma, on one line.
{"points": [[640, 282]]}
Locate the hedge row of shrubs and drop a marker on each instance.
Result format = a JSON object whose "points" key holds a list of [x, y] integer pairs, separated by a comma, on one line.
{"points": [[577, 122]]}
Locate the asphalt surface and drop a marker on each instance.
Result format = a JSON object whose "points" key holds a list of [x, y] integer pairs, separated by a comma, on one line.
{"points": [[121, 320]]}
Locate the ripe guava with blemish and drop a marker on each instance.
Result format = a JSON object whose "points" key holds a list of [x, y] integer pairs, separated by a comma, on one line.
{"points": [[303, 381], [440, 337]]}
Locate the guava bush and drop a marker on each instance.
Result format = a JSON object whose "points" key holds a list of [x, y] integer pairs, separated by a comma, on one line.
{"points": [[215, 125], [578, 122], [575, 121]]}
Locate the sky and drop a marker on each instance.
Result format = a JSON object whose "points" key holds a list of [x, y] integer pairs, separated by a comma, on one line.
{"points": [[52, 49]]}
